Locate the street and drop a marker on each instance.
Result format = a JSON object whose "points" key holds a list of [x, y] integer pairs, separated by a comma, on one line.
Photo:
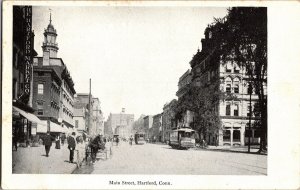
{"points": [[161, 159]]}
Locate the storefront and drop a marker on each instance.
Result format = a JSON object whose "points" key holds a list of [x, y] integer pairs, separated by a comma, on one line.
{"points": [[24, 126]]}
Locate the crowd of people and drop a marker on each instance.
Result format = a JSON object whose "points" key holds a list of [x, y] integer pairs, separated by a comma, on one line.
{"points": [[81, 148]]}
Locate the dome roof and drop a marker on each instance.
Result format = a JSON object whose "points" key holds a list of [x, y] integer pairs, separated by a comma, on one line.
{"points": [[50, 27]]}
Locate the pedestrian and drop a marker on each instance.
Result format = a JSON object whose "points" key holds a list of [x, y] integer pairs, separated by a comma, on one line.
{"points": [[63, 137], [57, 142], [117, 141], [15, 141], [71, 146], [48, 143], [130, 140], [80, 148]]}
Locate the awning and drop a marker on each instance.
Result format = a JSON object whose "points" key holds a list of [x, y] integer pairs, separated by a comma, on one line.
{"points": [[56, 128], [31, 117], [42, 127]]}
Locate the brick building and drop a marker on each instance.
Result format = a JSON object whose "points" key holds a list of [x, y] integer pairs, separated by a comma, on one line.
{"points": [[53, 87], [23, 119]]}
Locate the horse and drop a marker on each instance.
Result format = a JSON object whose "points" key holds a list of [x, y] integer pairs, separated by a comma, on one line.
{"points": [[95, 145]]}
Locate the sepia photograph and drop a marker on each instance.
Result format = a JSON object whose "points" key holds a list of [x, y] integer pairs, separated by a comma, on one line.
{"points": [[136, 90]]}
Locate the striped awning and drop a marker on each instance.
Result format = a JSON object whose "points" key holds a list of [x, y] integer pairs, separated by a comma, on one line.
{"points": [[31, 117]]}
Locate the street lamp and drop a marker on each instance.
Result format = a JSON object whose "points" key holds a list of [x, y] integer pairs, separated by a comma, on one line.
{"points": [[250, 92]]}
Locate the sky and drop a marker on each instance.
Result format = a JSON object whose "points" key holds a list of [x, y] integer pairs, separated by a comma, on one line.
{"points": [[133, 55]]}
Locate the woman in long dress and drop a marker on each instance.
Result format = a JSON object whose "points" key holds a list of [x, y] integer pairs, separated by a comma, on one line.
{"points": [[81, 151], [57, 142]]}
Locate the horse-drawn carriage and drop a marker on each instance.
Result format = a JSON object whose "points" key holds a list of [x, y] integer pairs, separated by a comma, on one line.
{"points": [[95, 145]]}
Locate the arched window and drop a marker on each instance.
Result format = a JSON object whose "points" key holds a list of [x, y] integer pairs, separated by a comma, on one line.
{"points": [[236, 83]]}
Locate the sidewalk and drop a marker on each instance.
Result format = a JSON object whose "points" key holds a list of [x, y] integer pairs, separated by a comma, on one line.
{"points": [[237, 149], [32, 160]]}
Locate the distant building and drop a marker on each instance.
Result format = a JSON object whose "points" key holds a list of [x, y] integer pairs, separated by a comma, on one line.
{"points": [[148, 121], [184, 85], [107, 129], [168, 119], [156, 130], [98, 119], [120, 119], [53, 87], [80, 114]]}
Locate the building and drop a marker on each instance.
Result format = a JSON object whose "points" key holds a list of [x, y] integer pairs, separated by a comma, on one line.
{"points": [[184, 85], [168, 119], [80, 114], [107, 130], [120, 119], [156, 130], [208, 70], [123, 131], [24, 121], [82, 103], [53, 87], [98, 119], [148, 121]]}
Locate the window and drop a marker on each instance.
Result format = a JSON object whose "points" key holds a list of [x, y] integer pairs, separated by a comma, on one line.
{"points": [[236, 69], [76, 123], [228, 68], [40, 112], [40, 88], [228, 109], [236, 110], [236, 88], [236, 135], [226, 135], [210, 35], [256, 110], [228, 88], [248, 110]]}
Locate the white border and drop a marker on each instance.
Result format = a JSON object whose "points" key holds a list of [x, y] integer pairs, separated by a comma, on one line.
{"points": [[284, 106]]}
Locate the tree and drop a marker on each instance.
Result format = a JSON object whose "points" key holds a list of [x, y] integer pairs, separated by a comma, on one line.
{"points": [[203, 101], [241, 37], [138, 125]]}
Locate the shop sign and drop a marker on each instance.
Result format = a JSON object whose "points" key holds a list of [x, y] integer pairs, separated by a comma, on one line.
{"points": [[28, 48]]}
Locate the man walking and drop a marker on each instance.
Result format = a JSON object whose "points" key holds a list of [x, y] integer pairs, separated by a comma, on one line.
{"points": [[47, 143], [71, 146]]}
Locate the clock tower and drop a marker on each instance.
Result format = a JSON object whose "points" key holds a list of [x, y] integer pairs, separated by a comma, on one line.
{"points": [[50, 46]]}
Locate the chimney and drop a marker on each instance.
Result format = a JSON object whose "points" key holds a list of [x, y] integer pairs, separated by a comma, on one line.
{"points": [[123, 110]]}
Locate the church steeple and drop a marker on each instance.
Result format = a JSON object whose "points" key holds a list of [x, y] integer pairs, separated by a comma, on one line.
{"points": [[50, 46]]}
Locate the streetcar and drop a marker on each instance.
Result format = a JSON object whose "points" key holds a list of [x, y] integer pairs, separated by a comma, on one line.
{"points": [[139, 138], [116, 140], [183, 138]]}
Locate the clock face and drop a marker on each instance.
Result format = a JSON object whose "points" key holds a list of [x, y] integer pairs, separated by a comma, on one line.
{"points": [[198, 70]]}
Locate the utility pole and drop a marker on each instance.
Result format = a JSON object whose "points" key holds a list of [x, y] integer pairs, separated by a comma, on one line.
{"points": [[89, 117]]}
